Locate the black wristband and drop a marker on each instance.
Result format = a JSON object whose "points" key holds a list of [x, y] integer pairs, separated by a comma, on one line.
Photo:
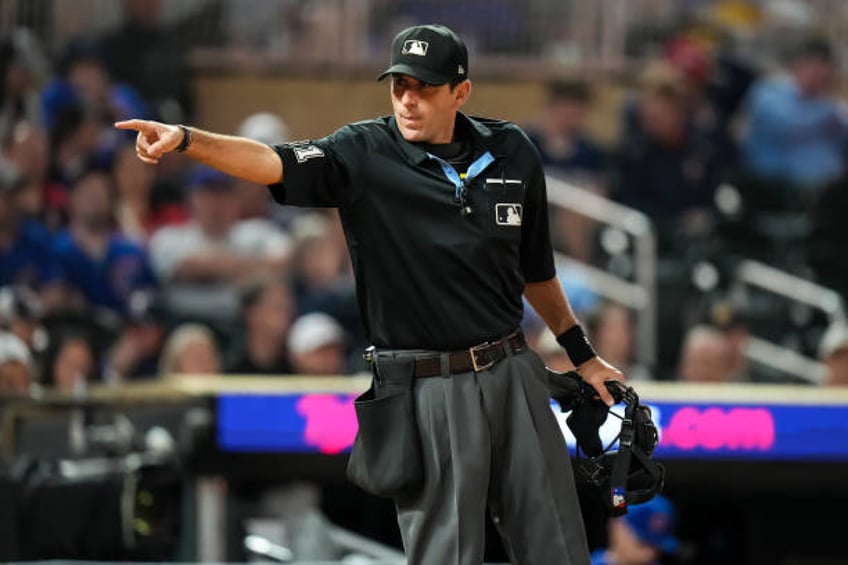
{"points": [[577, 345], [188, 137]]}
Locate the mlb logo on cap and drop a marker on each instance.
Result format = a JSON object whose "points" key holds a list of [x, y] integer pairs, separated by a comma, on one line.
{"points": [[415, 47], [431, 53]]}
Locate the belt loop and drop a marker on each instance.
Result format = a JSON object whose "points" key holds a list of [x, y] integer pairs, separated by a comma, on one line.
{"points": [[444, 360], [507, 347]]}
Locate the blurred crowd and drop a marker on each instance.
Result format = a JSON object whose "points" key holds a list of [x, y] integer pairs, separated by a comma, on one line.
{"points": [[113, 271], [729, 160]]}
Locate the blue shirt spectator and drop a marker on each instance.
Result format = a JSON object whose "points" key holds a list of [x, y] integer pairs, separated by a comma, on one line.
{"points": [[28, 259], [665, 180], [84, 80], [642, 536], [108, 281], [797, 133], [96, 263], [25, 254], [666, 164], [560, 132], [795, 137]]}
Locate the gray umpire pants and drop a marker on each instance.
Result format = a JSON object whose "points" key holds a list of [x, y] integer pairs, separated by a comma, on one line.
{"points": [[490, 440]]}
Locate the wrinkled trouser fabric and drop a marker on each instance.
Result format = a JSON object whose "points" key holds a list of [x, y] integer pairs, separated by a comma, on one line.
{"points": [[490, 440]]}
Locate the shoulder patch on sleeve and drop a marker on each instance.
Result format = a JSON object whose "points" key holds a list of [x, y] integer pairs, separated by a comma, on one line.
{"points": [[304, 153]]}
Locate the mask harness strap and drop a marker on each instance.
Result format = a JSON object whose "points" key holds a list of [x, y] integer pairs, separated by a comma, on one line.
{"points": [[621, 466]]}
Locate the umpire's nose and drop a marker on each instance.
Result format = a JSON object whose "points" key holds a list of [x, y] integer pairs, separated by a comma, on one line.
{"points": [[409, 99]]}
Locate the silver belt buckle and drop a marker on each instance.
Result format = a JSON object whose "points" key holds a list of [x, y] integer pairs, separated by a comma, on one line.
{"points": [[473, 352], [368, 355]]}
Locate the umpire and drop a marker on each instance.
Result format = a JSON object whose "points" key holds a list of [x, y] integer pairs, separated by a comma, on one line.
{"points": [[447, 226]]}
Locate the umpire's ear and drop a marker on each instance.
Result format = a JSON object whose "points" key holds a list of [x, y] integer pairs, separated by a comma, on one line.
{"points": [[461, 92]]}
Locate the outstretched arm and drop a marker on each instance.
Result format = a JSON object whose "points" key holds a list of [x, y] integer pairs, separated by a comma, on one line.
{"points": [[550, 302], [236, 156]]}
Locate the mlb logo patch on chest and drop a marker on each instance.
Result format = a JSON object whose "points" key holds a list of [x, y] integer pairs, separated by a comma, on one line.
{"points": [[508, 214]]}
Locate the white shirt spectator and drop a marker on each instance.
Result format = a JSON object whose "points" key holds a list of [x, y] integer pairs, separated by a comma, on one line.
{"points": [[170, 247]]}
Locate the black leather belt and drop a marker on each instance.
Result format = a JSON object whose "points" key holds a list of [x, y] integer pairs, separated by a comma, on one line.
{"points": [[477, 358]]}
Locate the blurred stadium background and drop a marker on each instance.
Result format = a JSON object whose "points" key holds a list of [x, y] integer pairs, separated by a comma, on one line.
{"points": [[166, 333]]}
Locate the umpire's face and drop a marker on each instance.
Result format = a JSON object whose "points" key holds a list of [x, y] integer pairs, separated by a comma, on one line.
{"points": [[425, 112]]}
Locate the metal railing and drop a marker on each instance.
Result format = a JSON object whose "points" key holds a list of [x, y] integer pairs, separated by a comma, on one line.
{"points": [[640, 294], [750, 273]]}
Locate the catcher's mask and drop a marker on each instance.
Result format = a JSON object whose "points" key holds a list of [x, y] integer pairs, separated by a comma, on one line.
{"points": [[628, 475]]}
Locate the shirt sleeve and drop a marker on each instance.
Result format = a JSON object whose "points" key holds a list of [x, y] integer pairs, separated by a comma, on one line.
{"points": [[313, 173], [537, 256]]}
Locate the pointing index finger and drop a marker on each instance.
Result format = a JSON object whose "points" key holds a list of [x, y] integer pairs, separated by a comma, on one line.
{"points": [[137, 125]]}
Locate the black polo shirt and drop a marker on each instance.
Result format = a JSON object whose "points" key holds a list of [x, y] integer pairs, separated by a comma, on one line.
{"points": [[428, 276]]}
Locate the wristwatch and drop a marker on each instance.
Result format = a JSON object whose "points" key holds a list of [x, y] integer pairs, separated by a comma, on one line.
{"points": [[188, 137]]}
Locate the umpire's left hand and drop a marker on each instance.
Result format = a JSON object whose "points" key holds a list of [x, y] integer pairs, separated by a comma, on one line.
{"points": [[596, 372]]}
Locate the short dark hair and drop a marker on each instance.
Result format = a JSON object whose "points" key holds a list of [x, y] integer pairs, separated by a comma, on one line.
{"points": [[456, 82], [59, 339]]}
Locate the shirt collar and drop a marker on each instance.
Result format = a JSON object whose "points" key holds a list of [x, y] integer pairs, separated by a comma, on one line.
{"points": [[415, 155]]}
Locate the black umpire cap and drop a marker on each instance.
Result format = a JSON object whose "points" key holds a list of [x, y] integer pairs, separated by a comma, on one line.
{"points": [[431, 53]]}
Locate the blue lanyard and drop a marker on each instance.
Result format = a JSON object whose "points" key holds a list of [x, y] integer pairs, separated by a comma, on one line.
{"points": [[459, 182]]}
